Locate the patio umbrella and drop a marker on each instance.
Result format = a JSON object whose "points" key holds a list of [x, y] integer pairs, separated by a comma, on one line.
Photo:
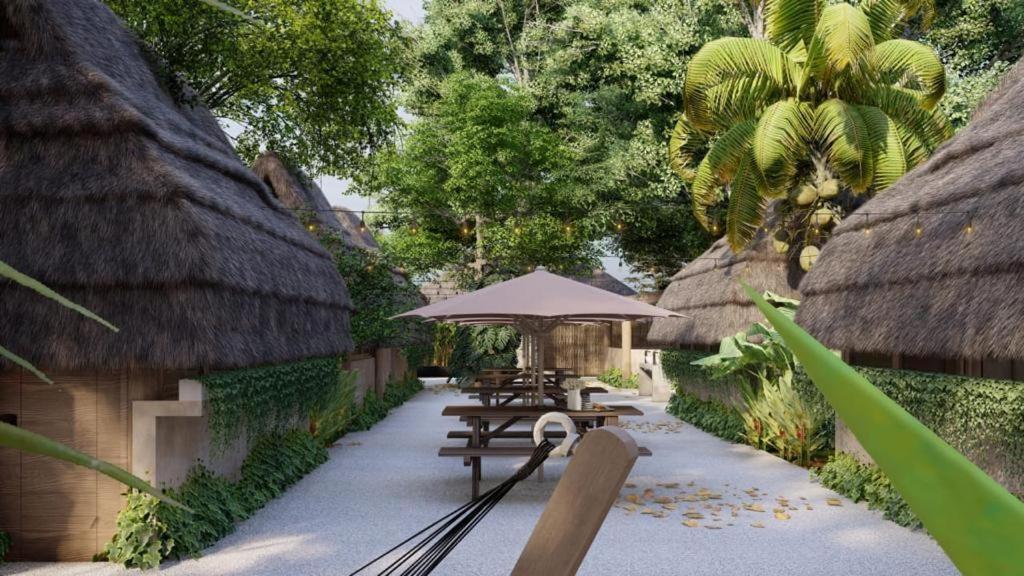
{"points": [[535, 303]]}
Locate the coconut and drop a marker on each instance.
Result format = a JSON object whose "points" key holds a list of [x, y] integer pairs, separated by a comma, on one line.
{"points": [[821, 217], [808, 256], [829, 189], [781, 246], [805, 195]]}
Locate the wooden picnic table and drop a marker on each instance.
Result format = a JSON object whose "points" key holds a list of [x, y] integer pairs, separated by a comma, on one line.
{"points": [[503, 395], [510, 376], [479, 436]]}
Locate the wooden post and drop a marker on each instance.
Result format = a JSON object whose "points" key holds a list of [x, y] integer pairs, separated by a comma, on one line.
{"points": [[579, 505], [627, 349]]}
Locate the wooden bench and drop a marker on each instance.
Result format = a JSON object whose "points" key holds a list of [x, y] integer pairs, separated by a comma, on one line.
{"points": [[466, 452]]}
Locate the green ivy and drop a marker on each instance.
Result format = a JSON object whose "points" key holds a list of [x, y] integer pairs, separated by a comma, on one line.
{"points": [[149, 531], [375, 408], [268, 399], [678, 368], [866, 483], [710, 416], [5, 545], [613, 377], [981, 418]]}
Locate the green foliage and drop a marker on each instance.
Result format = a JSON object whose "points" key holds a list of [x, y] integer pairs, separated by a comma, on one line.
{"points": [[710, 416], [375, 408], [679, 368], [257, 401], [979, 417], [377, 292], [866, 483], [831, 100], [149, 531], [778, 418], [313, 80], [475, 159], [332, 419], [614, 378], [480, 347], [444, 342], [5, 545]]}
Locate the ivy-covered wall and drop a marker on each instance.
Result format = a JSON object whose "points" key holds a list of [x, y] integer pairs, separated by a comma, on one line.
{"points": [[257, 401], [979, 417], [697, 381]]}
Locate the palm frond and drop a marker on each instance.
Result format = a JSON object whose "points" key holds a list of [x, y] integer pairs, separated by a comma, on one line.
{"points": [[884, 16], [790, 23], [842, 134], [746, 205], [890, 157], [720, 63], [912, 66], [780, 140], [4, 352], [729, 150], [842, 41], [930, 127], [705, 192], [683, 145]]}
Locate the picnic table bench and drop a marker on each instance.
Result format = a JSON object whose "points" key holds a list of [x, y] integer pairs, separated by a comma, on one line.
{"points": [[479, 436], [510, 376], [503, 395]]}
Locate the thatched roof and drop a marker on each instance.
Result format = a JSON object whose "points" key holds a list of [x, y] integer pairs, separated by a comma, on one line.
{"points": [[299, 192], [138, 208], [598, 278], [707, 290], [948, 293]]}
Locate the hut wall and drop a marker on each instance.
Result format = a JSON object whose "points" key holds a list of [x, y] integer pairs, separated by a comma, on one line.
{"points": [[54, 510], [583, 348]]}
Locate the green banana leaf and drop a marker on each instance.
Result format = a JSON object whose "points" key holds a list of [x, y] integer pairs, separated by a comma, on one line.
{"points": [[977, 522], [21, 439], [8, 272]]}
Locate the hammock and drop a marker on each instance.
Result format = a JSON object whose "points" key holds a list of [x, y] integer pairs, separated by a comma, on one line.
{"points": [[438, 539]]}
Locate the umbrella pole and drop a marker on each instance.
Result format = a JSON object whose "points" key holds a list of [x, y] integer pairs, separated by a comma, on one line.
{"points": [[540, 368]]}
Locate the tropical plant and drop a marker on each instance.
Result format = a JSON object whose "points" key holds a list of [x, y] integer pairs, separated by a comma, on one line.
{"points": [[444, 342], [331, 421], [480, 347], [614, 378], [779, 419], [758, 353], [24, 440], [830, 106]]}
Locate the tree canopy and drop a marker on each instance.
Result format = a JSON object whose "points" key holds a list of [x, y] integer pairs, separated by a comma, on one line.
{"points": [[313, 80]]}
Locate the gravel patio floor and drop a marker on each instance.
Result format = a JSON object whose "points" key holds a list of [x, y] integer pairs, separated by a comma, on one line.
{"points": [[380, 486]]}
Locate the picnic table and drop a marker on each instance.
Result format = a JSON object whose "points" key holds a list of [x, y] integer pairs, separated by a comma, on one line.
{"points": [[511, 376], [503, 395], [480, 434]]}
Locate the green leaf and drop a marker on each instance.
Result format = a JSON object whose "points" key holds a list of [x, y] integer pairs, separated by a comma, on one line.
{"points": [[843, 135], [974, 519], [7, 271], [24, 364], [912, 66], [780, 142], [790, 23], [26, 441], [733, 70], [682, 147], [890, 159], [746, 205], [705, 192], [842, 40]]}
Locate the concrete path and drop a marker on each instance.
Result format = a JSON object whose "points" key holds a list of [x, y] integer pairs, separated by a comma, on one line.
{"points": [[384, 484]]}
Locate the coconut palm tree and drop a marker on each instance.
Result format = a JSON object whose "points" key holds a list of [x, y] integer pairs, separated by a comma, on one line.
{"points": [[829, 106]]}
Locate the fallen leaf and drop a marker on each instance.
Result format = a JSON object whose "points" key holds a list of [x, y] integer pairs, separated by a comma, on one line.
{"points": [[691, 523], [754, 507], [757, 525], [782, 516], [694, 515], [834, 501]]}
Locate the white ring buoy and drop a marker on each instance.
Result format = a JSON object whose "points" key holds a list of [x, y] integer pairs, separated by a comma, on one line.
{"points": [[567, 424]]}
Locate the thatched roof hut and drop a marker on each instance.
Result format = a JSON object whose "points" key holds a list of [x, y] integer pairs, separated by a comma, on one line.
{"points": [[299, 192], [954, 290], [708, 292], [137, 207]]}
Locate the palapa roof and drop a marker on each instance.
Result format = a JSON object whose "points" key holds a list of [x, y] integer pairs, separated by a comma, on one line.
{"points": [[708, 292], [599, 278], [139, 209], [948, 293], [299, 192]]}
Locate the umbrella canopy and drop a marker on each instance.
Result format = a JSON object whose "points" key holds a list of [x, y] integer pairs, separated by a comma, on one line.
{"points": [[539, 295], [536, 303]]}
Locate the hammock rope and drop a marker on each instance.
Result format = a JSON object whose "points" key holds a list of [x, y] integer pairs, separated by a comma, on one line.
{"points": [[442, 536]]}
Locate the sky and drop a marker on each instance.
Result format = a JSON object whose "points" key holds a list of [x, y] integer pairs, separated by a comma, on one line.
{"points": [[334, 188]]}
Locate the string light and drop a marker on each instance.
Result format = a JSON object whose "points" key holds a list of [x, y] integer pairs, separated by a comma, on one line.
{"points": [[311, 227], [413, 228], [867, 224], [568, 229], [362, 223], [970, 225], [619, 226], [465, 228], [918, 230], [517, 229]]}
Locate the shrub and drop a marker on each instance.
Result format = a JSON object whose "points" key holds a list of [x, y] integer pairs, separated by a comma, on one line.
{"points": [[5, 545], [375, 408], [866, 483], [329, 422], [780, 420], [613, 377], [149, 531], [712, 417]]}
